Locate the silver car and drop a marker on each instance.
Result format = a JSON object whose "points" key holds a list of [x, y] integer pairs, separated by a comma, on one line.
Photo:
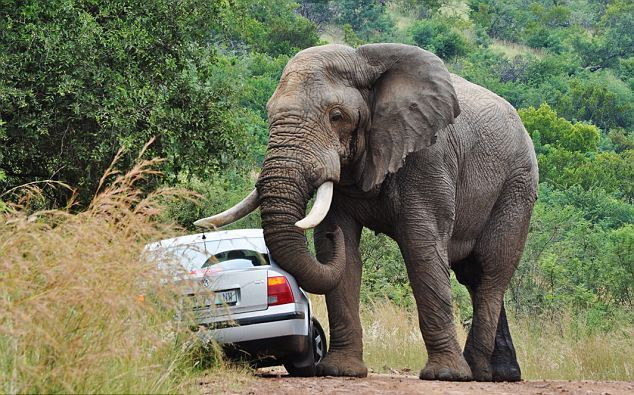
{"points": [[245, 300]]}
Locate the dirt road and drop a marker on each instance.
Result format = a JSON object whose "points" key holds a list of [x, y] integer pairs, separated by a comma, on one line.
{"points": [[277, 382]]}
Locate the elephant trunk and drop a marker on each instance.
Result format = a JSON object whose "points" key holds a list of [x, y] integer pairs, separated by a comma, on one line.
{"points": [[284, 190]]}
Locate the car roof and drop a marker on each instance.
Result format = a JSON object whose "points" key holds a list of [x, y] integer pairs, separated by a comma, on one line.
{"points": [[207, 236]]}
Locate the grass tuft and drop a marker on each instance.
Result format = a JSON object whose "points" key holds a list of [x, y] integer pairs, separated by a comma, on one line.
{"points": [[566, 349], [71, 315], [557, 349]]}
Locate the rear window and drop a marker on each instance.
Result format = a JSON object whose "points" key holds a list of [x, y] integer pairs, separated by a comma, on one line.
{"points": [[241, 253], [235, 259]]}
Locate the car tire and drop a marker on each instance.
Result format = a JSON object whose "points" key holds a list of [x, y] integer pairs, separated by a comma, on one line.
{"points": [[318, 348]]}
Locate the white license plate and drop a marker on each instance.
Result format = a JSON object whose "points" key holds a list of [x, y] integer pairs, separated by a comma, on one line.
{"points": [[227, 297], [219, 298]]}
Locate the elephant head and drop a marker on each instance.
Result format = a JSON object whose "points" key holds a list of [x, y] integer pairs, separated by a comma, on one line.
{"points": [[345, 117]]}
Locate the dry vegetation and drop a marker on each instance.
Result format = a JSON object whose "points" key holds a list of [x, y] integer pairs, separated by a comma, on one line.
{"points": [[559, 349], [511, 49], [71, 319]]}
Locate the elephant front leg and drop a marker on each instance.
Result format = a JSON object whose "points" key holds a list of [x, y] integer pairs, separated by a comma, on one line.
{"points": [[428, 270], [345, 354]]}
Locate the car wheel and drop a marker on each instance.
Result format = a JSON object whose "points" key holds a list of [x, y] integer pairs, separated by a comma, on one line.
{"points": [[317, 350]]}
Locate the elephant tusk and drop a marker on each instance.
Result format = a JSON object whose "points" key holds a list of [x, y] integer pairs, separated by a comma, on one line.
{"points": [[317, 214], [240, 210]]}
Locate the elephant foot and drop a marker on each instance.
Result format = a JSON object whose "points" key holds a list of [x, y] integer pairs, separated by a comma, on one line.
{"points": [[480, 366], [337, 364], [506, 373], [446, 368]]}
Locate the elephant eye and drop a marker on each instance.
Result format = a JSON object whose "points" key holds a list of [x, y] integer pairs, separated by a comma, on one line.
{"points": [[335, 115]]}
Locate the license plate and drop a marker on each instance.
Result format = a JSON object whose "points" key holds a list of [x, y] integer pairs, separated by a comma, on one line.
{"points": [[227, 297], [219, 298]]}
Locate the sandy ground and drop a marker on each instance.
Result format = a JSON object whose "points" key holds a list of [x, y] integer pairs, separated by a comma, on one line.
{"points": [[275, 381]]}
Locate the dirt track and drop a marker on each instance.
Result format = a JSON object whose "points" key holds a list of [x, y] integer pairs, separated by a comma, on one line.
{"points": [[276, 382]]}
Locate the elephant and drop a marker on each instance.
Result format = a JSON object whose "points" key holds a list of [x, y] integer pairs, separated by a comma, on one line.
{"points": [[386, 138]]}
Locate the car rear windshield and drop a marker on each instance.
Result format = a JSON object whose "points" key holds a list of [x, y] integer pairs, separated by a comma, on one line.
{"points": [[230, 254]]}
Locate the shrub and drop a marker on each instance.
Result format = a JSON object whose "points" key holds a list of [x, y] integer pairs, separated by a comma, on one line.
{"points": [[80, 79], [368, 19], [439, 38], [559, 132]]}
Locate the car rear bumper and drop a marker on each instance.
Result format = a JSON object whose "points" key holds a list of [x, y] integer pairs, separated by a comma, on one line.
{"points": [[277, 321], [242, 322], [270, 350]]}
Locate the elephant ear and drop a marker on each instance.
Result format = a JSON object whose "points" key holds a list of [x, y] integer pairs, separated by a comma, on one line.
{"points": [[413, 98]]}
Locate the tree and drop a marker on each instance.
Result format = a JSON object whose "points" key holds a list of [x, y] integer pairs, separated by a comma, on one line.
{"points": [[436, 36], [612, 38], [319, 12], [271, 27], [368, 18], [556, 131], [602, 99], [79, 79]]}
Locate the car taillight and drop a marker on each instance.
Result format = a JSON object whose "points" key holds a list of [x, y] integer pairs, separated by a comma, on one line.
{"points": [[279, 291]]}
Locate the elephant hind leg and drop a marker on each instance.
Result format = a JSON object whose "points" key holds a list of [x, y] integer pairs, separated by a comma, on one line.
{"points": [[504, 360], [487, 273]]}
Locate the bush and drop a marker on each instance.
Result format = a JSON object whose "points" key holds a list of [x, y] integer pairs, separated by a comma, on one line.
{"points": [[602, 99], [272, 27], [215, 196], [568, 263], [80, 79], [384, 273], [436, 36], [368, 19], [543, 123]]}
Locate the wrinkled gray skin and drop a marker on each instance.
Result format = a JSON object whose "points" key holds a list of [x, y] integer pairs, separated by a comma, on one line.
{"points": [[439, 164]]}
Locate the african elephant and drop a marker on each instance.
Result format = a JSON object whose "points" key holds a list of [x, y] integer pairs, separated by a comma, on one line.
{"points": [[392, 141]]}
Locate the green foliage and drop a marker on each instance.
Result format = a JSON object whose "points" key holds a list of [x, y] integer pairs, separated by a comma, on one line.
{"points": [[272, 27], [384, 274], [438, 37], [319, 12], [571, 264], [544, 124], [216, 195], [80, 79], [602, 99], [612, 38], [606, 170], [619, 140], [367, 18], [420, 8], [350, 37], [598, 206]]}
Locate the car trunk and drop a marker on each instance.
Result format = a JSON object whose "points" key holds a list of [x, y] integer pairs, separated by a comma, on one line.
{"points": [[230, 291]]}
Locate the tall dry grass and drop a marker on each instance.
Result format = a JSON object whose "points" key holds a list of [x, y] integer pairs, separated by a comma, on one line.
{"points": [[559, 349], [71, 319], [566, 349]]}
